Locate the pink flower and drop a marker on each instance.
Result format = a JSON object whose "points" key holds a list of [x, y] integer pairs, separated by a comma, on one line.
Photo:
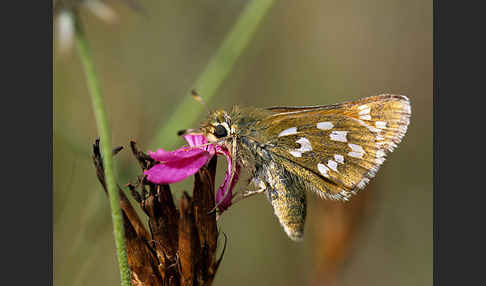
{"points": [[179, 164]]}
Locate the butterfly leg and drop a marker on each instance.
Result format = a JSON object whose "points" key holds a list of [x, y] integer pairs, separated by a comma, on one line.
{"points": [[261, 187]]}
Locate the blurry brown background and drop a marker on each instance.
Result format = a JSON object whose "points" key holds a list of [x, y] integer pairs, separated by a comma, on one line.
{"points": [[305, 53]]}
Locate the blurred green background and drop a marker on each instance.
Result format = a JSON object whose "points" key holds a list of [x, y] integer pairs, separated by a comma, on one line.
{"points": [[304, 53]]}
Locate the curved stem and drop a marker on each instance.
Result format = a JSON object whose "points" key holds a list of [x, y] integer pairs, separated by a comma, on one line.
{"points": [[216, 72], [105, 143]]}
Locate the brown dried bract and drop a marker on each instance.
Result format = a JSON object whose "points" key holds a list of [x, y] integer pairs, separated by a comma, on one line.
{"points": [[180, 246]]}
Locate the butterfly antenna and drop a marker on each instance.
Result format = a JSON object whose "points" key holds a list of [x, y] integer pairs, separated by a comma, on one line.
{"points": [[186, 131]]}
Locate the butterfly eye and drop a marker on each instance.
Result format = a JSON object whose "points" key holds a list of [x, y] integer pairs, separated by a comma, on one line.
{"points": [[220, 131]]}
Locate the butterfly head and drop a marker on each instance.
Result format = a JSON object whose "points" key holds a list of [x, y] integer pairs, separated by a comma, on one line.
{"points": [[218, 127]]}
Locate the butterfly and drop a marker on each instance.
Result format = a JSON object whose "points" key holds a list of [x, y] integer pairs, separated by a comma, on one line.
{"points": [[331, 150]]}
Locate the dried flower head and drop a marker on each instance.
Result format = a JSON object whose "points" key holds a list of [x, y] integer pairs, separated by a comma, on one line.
{"points": [[180, 247]]}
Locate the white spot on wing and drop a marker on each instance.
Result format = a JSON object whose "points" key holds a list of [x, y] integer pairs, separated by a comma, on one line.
{"points": [[339, 136], [356, 155], [365, 110], [339, 158], [290, 131], [364, 106], [325, 125], [380, 124], [356, 148], [332, 165], [356, 151], [323, 170], [305, 146], [365, 117], [296, 153]]}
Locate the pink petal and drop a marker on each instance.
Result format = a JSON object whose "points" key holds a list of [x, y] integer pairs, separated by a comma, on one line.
{"points": [[181, 165], [166, 156], [160, 155], [199, 140], [195, 139], [225, 152], [225, 203]]}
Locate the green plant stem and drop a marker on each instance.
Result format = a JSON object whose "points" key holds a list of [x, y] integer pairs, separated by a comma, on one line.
{"points": [[105, 142], [215, 73]]}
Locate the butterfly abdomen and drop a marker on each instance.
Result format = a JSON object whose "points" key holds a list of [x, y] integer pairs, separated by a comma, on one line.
{"points": [[287, 198], [285, 192]]}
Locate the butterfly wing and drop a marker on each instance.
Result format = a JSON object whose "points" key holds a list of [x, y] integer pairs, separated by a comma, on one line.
{"points": [[338, 148]]}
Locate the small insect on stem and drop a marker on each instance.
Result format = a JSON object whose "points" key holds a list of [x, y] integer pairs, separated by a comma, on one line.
{"points": [[199, 99]]}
